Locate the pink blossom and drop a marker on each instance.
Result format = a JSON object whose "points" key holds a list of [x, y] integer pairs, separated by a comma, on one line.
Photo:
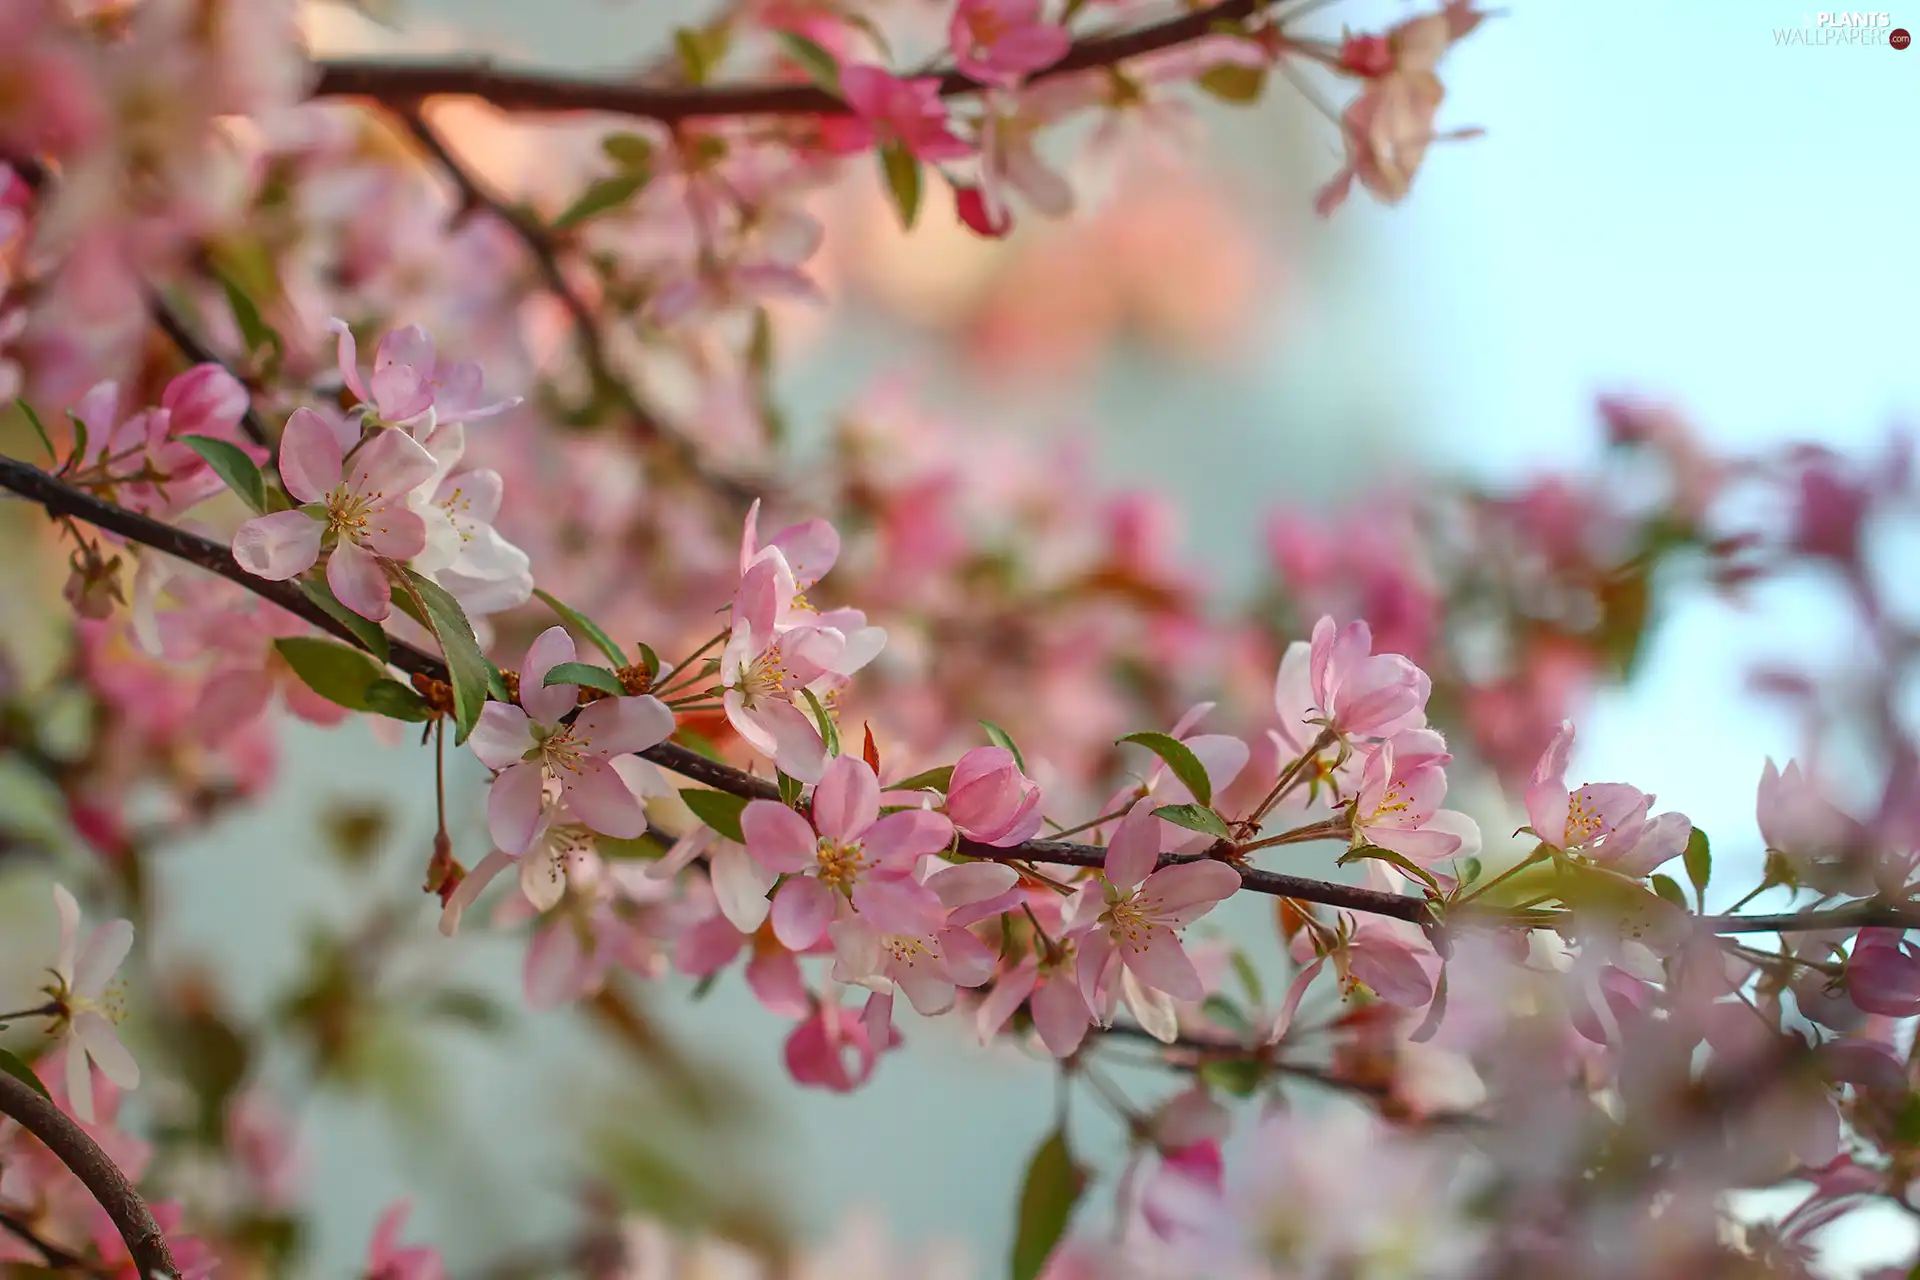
{"points": [[140, 461], [739, 883], [809, 549], [1047, 985], [410, 382], [1135, 929], [831, 860], [765, 670], [909, 934], [1605, 820], [562, 844], [1387, 131], [1003, 41], [990, 800], [1801, 824], [1397, 805], [530, 744], [387, 1260], [889, 111], [357, 501], [1361, 693], [1883, 973], [88, 1005], [835, 1048]]}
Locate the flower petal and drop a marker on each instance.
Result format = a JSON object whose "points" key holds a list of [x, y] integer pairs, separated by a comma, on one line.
{"points": [[502, 735], [359, 581], [278, 546], [847, 800], [602, 799], [622, 726], [802, 909], [778, 837], [104, 1047], [310, 458], [101, 956], [514, 806], [740, 885]]}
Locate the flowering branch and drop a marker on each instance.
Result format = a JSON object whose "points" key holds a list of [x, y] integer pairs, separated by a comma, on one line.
{"points": [[406, 82], [64, 1137], [545, 253], [62, 499]]}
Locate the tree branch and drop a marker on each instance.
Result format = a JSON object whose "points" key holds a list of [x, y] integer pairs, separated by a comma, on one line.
{"points": [[546, 257], [63, 499], [63, 1136], [407, 82], [53, 1255]]}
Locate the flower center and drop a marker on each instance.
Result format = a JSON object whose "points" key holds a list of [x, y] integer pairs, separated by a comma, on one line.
{"points": [[765, 676], [906, 951], [562, 752], [1583, 820], [986, 29], [457, 504], [840, 864], [1128, 920], [1393, 800]]}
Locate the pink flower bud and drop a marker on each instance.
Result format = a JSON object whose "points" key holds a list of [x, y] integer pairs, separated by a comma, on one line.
{"points": [[205, 400], [990, 800], [1883, 974]]}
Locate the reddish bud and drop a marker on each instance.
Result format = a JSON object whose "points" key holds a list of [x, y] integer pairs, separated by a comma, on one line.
{"points": [[971, 205], [1368, 56]]}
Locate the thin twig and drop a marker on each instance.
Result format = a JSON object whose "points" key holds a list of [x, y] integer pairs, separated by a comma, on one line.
{"points": [[394, 81], [541, 247]]}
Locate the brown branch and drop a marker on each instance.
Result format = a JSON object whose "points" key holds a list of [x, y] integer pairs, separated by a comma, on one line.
{"points": [[545, 253], [53, 1255], [63, 499], [63, 1136], [407, 82]]}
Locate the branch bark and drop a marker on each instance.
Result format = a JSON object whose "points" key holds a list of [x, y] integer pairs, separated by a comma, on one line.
{"points": [[63, 499], [63, 1136], [393, 81]]}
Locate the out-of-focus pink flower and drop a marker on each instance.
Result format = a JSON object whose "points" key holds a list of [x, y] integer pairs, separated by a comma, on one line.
{"points": [[833, 859], [1387, 131], [88, 1005], [1800, 823], [1883, 973], [529, 744], [888, 110], [1003, 41], [835, 1048], [49, 97], [387, 1259], [263, 1144], [409, 381], [990, 800], [1143, 907], [363, 510]]}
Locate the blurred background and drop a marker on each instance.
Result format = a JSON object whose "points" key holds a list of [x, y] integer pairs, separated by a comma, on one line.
{"points": [[1667, 202]]}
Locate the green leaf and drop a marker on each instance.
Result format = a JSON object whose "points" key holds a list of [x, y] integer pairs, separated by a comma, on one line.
{"points": [[829, 731], [790, 789], [465, 663], [39, 429], [697, 741], [482, 1012], [1669, 888], [1227, 1014], [79, 434], [701, 49], [902, 173], [938, 779], [20, 1071], [396, 701], [649, 661], [1053, 1186], [585, 626], [602, 195], [1470, 871], [718, 809], [1195, 817], [1180, 760], [1699, 863], [232, 465], [338, 673], [1001, 738], [1235, 84], [587, 674], [1400, 860], [628, 150], [254, 330], [1240, 1077], [497, 684], [821, 67], [368, 633], [1249, 977]]}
